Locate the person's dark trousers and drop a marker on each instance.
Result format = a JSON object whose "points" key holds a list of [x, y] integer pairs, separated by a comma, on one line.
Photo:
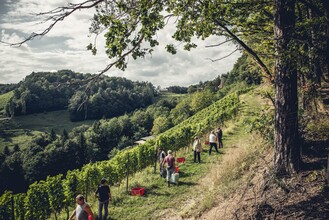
{"points": [[197, 154], [220, 143], [100, 207], [213, 145]]}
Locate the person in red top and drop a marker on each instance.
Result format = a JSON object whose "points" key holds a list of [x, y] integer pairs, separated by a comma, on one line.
{"points": [[170, 161]]}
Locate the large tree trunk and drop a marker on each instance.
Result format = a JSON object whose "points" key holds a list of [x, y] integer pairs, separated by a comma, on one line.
{"points": [[286, 137], [326, 9]]}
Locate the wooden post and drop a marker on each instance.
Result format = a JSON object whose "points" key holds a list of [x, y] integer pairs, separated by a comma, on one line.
{"points": [[86, 195], [155, 160]]}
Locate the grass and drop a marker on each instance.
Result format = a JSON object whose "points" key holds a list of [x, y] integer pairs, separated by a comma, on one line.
{"points": [[200, 184], [22, 129], [4, 99], [22, 137]]}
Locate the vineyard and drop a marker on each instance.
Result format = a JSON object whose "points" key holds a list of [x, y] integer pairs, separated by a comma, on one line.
{"points": [[57, 193]]}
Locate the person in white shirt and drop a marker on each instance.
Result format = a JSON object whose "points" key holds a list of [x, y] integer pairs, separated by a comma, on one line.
{"points": [[213, 142], [197, 149]]}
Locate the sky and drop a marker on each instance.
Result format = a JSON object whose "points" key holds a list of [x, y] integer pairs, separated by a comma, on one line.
{"points": [[64, 47]]}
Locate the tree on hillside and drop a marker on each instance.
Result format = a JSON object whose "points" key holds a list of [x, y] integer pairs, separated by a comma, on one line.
{"points": [[287, 146], [131, 28]]}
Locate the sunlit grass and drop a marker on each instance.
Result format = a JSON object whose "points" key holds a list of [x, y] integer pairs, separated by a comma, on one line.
{"points": [[4, 99], [22, 129]]}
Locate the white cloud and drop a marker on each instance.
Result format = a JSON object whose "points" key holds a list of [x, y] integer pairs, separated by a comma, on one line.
{"points": [[64, 47]]}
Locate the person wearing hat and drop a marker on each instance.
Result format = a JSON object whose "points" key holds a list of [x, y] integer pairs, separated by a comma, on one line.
{"points": [[197, 149], [170, 161], [83, 210], [104, 196]]}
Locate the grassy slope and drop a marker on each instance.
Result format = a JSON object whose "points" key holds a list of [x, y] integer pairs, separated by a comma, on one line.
{"points": [[199, 183], [22, 129], [4, 99]]}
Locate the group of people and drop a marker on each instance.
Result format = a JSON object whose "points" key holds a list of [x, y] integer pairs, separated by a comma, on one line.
{"points": [[170, 161], [214, 138], [83, 210]]}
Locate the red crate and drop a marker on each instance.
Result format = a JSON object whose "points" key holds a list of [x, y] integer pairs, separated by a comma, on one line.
{"points": [[138, 191], [181, 160], [177, 170]]}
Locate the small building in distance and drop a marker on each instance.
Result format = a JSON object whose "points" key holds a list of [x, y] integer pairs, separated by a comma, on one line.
{"points": [[143, 140]]}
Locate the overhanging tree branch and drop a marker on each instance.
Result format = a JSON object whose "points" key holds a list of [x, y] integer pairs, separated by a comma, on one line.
{"points": [[215, 60], [248, 49], [57, 15]]}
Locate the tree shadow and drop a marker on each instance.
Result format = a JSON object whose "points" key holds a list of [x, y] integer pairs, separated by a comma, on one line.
{"points": [[314, 155], [316, 207]]}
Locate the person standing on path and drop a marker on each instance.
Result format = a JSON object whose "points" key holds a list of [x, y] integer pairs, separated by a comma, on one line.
{"points": [[170, 160], [213, 142], [219, 134], [162, 156], [82, 211], [197, 149], [104, 196]]}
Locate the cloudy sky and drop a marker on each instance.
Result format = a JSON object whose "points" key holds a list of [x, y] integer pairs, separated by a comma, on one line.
{"points": [[64, 47]]}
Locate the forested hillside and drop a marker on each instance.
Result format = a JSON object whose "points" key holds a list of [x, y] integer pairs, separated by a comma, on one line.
{"points": [[106, 97]]}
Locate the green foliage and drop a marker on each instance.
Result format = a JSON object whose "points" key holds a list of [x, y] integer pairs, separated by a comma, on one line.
{"points": [[37, 202], [242, 71], [5, 205], [19, 206], [160, 125], [111, 97], [4, 100], [108, 97], [263, 123], [177, 89], [55, 191]]}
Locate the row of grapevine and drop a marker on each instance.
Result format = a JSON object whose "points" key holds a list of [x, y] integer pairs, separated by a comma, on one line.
{"points": [[58, 193]]}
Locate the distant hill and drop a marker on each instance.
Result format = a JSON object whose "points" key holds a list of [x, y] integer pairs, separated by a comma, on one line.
{"points": [[81, 94]]}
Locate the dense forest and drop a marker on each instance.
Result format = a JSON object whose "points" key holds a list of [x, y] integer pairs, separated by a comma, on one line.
{"points": [[105, 98]]}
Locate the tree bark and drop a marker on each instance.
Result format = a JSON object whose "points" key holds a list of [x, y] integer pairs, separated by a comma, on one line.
{"points": [[326, 9], [286, 137]]}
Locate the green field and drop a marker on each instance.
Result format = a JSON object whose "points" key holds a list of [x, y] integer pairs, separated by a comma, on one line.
{"points": [[22, 129], [4, 99]]}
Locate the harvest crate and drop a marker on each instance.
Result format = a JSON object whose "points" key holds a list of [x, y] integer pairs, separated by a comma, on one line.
{"points": [[180, 159], [137, 191]]}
